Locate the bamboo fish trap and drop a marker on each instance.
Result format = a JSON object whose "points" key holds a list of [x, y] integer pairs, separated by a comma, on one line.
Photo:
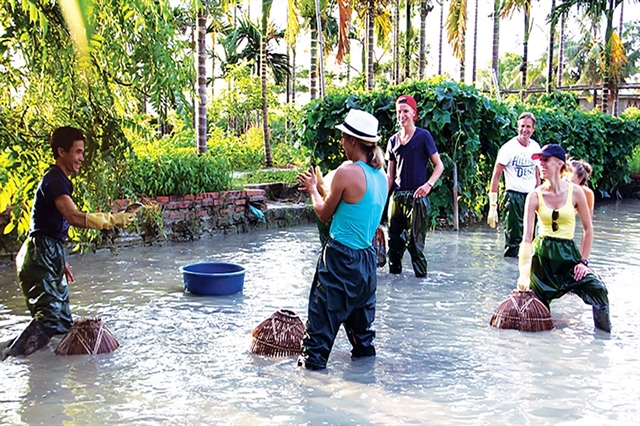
{"points": [[279, 335], [522, 311], [87, 336]]}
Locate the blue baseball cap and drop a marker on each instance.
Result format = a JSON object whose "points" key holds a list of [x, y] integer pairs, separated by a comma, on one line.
{"points": [[551, 150]]}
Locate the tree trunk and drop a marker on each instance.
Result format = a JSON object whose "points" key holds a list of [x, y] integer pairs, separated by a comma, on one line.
{"points": [[396, 41], [201, 108], [616, 103], [440, 40], [425, 8], [561, 52], [265, 118], [495, 53], [407, 41], [475, 45], [552, 30], [370, 40], [525, 53], [606, 75], [213, 64], [456, 209], [463, 70], [320, 49], [313, 67], [293, 75]]}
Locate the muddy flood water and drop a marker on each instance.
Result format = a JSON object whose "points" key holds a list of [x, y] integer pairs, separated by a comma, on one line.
{"points": [[185, 360]]}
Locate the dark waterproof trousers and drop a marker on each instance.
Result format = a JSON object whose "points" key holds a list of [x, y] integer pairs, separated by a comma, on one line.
{"points": [[513, 222], [41, 275], [343, 292], [552, 273], [323, 229], [407, 231]]}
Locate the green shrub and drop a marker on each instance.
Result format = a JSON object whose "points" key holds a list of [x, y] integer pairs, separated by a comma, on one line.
{"points": [[268, 176], [171, 166], [634, 161]]}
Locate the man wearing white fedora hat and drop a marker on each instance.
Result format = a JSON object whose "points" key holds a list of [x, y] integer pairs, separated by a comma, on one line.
{"points": [[343, 291]]}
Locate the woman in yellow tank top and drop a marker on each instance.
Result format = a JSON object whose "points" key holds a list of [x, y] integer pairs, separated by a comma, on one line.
{"points": [[552, 265]]}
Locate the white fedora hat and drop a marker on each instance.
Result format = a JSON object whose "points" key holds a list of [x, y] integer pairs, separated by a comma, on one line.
{"points": [[360, 124]]}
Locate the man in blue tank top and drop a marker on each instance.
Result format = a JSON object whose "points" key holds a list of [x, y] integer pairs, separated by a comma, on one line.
{"points": [[43, 272], [343, 291], [409, 152]]}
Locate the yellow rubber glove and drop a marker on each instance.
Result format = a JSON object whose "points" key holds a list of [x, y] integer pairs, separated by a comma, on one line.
{"points": [[524, 265], [492, 218], [108, 220]]}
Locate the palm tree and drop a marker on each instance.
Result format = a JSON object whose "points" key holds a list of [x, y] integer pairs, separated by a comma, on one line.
{"points": [[290, 35], [495, 52], [613, 51], [508, 8], [440, 39], [475, 43], [242, 43], [456, 31], [552, 30], [309, 11], [201, 107], [266, 9], [561, 50], [396, 40], [425, 8], [376, 18]]}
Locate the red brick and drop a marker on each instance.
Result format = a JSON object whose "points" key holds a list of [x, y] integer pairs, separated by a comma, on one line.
{"points": [[189, 197], [207, 202], [175, 216], [254, 192], [162, 200], [241, 201], [240, 209]]}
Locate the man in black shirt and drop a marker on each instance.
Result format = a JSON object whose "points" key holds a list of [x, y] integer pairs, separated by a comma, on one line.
{"points": [[43, 272]]}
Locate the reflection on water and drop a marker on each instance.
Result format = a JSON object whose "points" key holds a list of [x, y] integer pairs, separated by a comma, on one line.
{"points": [[184, 359]]}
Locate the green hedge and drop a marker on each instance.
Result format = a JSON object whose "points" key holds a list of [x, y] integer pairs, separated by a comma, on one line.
{"points": [[469, 129]]}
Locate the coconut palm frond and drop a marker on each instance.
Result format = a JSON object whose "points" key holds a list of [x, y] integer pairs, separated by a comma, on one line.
{"points": [[457, 27], [344, 9], [293, 25], [618, 62], [382, 22]]}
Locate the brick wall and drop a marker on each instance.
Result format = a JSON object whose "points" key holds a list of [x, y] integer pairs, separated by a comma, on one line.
{"points": [[189, 217]]}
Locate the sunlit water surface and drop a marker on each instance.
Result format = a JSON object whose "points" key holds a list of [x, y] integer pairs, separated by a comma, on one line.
{"points": [[184, 359]]}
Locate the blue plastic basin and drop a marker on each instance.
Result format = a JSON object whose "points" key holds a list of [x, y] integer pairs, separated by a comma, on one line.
{"points": [[213, 278]]}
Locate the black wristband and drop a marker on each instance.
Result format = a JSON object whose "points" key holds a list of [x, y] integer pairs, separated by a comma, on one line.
{"points": [[585, 262]]}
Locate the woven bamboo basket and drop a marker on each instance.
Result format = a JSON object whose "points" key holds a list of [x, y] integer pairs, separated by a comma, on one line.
{"points": [[380, 244], [87, 336], [522, 311], [279, 335]]}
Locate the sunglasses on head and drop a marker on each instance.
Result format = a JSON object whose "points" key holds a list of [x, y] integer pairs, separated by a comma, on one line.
{"points": [[554, 216]]}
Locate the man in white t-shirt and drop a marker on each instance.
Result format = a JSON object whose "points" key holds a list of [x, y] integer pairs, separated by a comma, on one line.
{"points": [[520, 177]]}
